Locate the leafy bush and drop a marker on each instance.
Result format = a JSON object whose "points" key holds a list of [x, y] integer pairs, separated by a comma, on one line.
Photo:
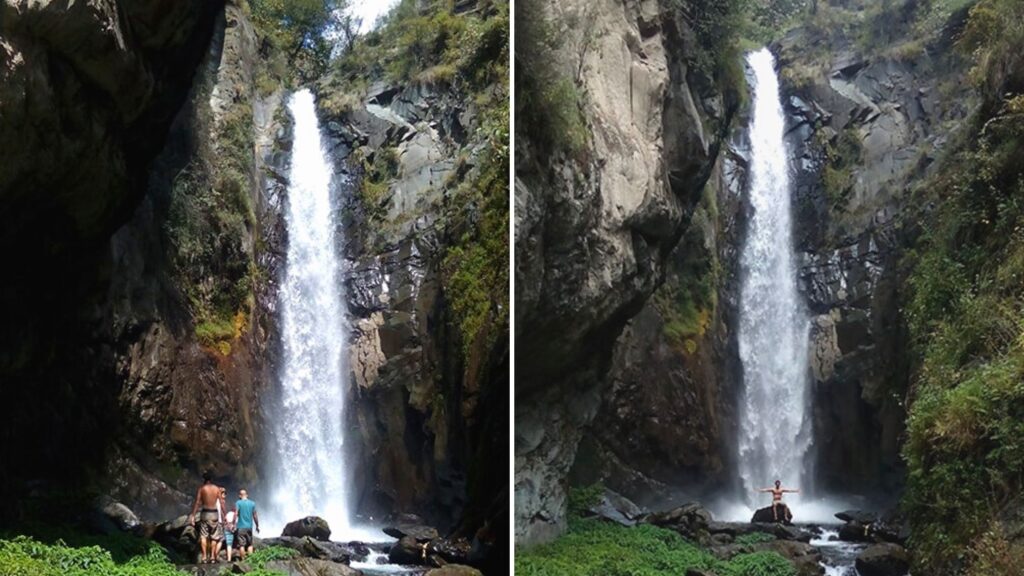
{"points": [[259, 558], [754, 538], [25, 556]]}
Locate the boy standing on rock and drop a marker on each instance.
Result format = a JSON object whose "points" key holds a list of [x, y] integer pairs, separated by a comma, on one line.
{"points": [[245, 518]]}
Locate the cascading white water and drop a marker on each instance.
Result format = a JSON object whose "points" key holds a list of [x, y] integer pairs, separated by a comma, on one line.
{"points": [[773, 325], [307, 476]]}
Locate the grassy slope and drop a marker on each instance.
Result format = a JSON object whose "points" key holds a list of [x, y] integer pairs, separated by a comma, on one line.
{"points": [[965, 446]]}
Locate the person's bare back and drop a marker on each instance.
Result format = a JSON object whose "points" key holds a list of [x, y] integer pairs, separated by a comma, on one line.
{"points": [[208, 495]]}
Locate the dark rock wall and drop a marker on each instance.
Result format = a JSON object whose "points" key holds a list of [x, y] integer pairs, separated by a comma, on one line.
{"points": [[103, 377], [877, 122], [667, 424], [429, 417]]}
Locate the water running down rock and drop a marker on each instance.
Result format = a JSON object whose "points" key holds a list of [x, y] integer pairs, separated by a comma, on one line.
{"points": [[307, 471], [773, 328]]}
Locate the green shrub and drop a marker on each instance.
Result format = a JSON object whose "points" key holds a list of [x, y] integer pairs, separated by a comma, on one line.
{"points": [[25, 556], [754, 538], [259, 558]]}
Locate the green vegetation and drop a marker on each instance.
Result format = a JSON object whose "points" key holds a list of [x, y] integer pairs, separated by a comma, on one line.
{"points": [[258, 559], [209, 227], [842, 153], [965, 446], [475, 268], [25, 556], [467, 55], [548, 103], [433, 46], [594, 547], [689, 296], [754, 538], [303, 33]]}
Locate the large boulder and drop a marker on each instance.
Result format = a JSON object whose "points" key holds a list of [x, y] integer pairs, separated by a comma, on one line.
{"points": [[407, 551], [110, 516], [856, 532], [616, 508], [768, 516], [884, 559], [312, 526], [858, 516], [178, 535], [421, 532]]}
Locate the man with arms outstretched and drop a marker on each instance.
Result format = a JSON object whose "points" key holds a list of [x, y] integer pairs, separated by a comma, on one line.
{"points": [[208, 496], [777, 493]]}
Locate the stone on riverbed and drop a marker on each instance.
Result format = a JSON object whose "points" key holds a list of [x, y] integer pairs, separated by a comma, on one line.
{"points": [[884, 559], [312, 526], [407, 551], [858, 516], [420, 532], [317, 549], [311, 567]]}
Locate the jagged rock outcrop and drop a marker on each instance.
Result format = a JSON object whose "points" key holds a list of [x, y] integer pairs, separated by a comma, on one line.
{"points": [[862, 126], [593, 233], [418, 406]]}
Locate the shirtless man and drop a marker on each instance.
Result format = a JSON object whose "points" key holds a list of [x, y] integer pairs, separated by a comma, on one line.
{"points": [[777, 493], [208, 496]]}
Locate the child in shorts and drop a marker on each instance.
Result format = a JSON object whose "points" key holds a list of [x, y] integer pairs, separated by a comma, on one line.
{"points": [[229, 531]]}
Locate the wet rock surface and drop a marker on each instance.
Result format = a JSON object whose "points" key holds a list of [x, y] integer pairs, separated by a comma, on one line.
{"points": [[428, 410], [891, 119], [310, 526], [883, 560]]}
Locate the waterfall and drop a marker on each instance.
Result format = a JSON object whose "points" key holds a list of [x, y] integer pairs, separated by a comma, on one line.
{"points": [[774, 434], [307, 474]]}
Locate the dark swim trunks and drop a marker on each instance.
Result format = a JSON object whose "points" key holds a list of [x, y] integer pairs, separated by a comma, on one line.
{"points": [[243, 538]]}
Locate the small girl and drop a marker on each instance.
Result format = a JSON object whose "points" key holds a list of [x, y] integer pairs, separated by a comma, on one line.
{"points": [[229, 531]]}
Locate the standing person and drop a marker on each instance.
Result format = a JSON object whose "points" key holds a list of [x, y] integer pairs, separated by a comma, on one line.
{"points": [[218, 534], [208, 497], [245, 518], [229, 531]]}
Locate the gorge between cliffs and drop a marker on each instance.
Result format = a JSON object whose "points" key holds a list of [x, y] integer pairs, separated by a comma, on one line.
{"points": [[265, 242], [761, 241]]}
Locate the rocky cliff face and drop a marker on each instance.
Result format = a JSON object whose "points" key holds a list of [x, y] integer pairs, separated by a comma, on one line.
{"points": [[863, 125], [594, 231], [118, 120], [667, 422], [422, 182]]}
